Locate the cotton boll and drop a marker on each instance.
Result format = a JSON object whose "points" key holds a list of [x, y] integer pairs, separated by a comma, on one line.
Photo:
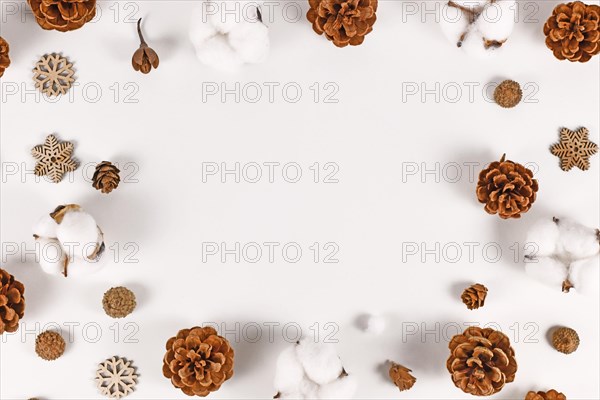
{"points": [[291, 396], [81, 267], [251, 41], [320, 361], [373, 324], [45, 227], [51, 256], [78, 230], [547, 270], [309, 389], [454, 23], [343, 388], [288, 371], [585, 275], [577, 240], [497, 20], [472, 4], [473, 44], [217, 53], [542, 238]]}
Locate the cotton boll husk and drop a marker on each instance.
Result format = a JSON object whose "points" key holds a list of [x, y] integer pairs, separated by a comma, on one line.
{"points": [[577, 240], [78, 230], [320, 361], [585, 275], [288, 371], [343, 388], [547, 270], [251, 41], [454, 23], [45, 227], [497, 20], [50, 255], [542, 238]]}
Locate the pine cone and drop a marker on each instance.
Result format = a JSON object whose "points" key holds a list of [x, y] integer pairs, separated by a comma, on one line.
{"points": [[549, 395], [572, 32], [4, 59], [565, 340], [198, 361], [106, 177], [506, 188], [401, 376], [63, 15], [12, 302], [344, 22], [474, 296], [481, 361]]}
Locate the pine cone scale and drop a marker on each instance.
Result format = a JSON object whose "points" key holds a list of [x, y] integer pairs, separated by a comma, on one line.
{"points": [[12, 302]]}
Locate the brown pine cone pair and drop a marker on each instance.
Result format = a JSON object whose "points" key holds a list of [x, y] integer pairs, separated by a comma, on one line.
{"points": [[344, 22], [63, 15], [4, 59], [12, 302], [549, 395], [198, 361], [573, 31]]}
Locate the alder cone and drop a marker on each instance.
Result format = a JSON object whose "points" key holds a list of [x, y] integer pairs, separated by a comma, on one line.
{"points": [[549, 395], [401, 376], [12, 302], [63, 15], [481, 361], [198, 361], [506, 188], [573, 31], [106, 177], [344, 22], [4, 59], [474, 296]]}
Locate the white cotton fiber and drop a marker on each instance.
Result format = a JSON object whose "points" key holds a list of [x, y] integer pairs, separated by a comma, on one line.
{"points": [[320, 361], [542, 238], [251, 41], [45, 227], [577, 240], [497, 20], [548, 270], [473, 4], [585, 275], [453, 23], [344, 388], [373, 324], [50, 256], [78, 230], [288, 371]]}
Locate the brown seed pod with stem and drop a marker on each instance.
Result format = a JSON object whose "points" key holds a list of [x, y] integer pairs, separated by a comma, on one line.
{"points": [[144, 58]]}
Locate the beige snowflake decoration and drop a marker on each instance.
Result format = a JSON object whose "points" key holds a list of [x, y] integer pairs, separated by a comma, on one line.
{"points": [[54, 158], [116, 377], [53, 75]]}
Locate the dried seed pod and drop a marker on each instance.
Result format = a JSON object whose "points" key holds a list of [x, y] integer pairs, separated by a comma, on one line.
{"points": [[508, 94], [565, 340], [144, 58], [474, 296], [106, 177], [49, 345], [118, 302], [401, 376]]}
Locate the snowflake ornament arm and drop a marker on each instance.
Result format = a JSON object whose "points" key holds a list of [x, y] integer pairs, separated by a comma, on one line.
{"points": [[116, 377]]}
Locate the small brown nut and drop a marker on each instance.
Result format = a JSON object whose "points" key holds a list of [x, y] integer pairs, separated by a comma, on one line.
{"points": [[565, 340], [118, 302], [49, 345], [508, 94]]}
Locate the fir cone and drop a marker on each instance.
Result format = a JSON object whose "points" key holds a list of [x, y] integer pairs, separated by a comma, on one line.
{"points": [[106, 177], [4, 59], [481, 361], [198, 361], [49, 345], [474, 296], [565, 340], [12, 302], [63, 15], [401, 376], [344, 22], [549, 395], [506, 188], [118, 302], [573, 31]]}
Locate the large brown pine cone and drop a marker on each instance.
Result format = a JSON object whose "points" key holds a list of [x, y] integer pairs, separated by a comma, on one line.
{"points": [[506, 188], [344, 22], [549, 395], [572, 32], [481, 361], [12, 302], [198, 361], [4, 59], [106, 177], [63, 15]]}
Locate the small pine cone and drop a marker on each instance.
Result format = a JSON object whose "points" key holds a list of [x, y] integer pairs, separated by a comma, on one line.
{"points": [[481, 361], [401, 376], [12, 302], [474, 296], [198, 361], [4, 59], [508, 94], [565, 340], [106, 177], [344, 22], [573, 31], [63, 15], [49, 345], [549, 395], [118, 302], [506, 188]]}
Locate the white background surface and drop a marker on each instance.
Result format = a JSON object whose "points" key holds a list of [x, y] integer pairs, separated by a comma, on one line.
{"points": [[371, 133]]}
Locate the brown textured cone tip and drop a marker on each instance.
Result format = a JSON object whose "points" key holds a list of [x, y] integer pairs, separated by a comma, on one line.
{"points": [[4, 58], [508, 94], [12, 302], [506, 188], [401, 376], [344, 22], [63, 15], [49, 345], [106, 177], [474, 296], [198, 361], [572, 31], [565, 340], [549, 395], [481, 361], [118, 302]]}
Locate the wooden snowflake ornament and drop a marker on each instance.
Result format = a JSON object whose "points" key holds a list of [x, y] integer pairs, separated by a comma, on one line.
{"points": [[53, 75], [574, 149], [116, 377], [54, 158]]}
